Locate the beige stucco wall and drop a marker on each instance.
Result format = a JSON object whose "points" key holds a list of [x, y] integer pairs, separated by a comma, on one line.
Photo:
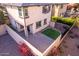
{"points": [[35, 14], [2, 29], [57, 7], [14, 15]]}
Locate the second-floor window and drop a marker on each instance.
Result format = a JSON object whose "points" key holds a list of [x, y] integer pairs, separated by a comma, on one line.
{"points": [[46, 9], [25, 12], [20, 11]]}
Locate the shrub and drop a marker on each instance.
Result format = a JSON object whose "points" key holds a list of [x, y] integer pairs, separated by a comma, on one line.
{"points": [[56, 18], [68, 21]]}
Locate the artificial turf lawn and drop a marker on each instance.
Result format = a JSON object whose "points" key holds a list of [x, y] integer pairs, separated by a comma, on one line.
{"points": [[51, 33]]}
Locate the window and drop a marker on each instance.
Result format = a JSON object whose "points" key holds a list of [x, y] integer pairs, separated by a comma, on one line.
{"points": [[38, 24], [20, 11], [25, 12], [46, 9], [45, 21]]}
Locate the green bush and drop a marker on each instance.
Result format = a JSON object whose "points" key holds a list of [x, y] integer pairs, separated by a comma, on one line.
{"points": [[68, 21], [56, 18]]}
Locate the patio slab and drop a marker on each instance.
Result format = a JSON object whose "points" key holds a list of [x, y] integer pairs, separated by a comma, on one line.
{"points": [[8, 47], [40, 41]]}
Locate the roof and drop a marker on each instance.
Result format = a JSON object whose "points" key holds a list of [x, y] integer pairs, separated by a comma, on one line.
{"points": [[30, 4], [25, 4]]}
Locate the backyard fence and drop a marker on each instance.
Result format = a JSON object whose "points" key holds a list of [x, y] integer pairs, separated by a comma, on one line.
{"points": [[35, 51], [66, 33], [57, 42], [20, 40], [54, 44]]}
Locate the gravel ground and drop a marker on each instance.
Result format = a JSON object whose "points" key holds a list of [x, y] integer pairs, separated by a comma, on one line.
{"points": [[70, 45]]}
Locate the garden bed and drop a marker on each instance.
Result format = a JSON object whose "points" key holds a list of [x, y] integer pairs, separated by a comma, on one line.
{"points": [[51, 33]]}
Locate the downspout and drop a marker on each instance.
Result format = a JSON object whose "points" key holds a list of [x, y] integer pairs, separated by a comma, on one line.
{"points": [[51, 10], [25, 29]]}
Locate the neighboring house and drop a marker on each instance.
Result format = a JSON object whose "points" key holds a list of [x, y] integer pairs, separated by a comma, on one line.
{"points": [[29, 17], [59, 9], [64, 10], [71, 9]]}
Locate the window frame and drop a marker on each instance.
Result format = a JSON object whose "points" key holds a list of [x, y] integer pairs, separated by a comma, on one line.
{"points": [[45, 21], [38, 24], [20, 11], [25, 12]]}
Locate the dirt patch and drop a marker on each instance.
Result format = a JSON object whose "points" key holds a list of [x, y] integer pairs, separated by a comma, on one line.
{"points": [[70, 45]]}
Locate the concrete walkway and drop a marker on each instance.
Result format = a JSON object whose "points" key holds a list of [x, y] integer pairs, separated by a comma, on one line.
{"points": [[8, 47]]}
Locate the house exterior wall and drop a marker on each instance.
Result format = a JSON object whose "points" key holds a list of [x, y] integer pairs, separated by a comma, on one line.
{"points": [[35, 14], [53, 10], [57, 7], [14, 15]]}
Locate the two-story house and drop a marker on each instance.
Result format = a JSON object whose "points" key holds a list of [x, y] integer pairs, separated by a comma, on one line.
{"points": [[35, 20], [29, 17]]}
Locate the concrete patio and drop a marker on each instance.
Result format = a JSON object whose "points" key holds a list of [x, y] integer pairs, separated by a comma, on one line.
{"points": [[8, 47], [38, 40]]}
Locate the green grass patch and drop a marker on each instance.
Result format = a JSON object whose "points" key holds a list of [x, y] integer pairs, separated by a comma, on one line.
{"points": [[51, 33]]}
